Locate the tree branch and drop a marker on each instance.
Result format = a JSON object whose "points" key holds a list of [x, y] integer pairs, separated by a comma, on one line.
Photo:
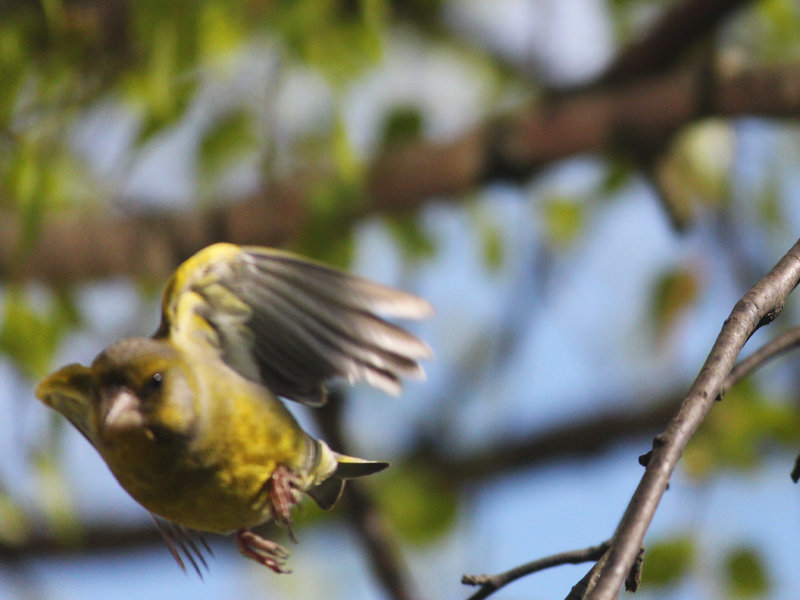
{"points": [[762, 303], [681, 26], [76, 246], [491, 583], [788, 340], [782, 276]]}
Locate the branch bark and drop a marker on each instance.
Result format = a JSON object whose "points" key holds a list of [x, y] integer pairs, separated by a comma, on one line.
{"points": [[681, 26], [74, 247], [491, 583], [759, 306]]}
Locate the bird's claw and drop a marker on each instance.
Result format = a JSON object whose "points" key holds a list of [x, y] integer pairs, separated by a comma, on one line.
{"points": [[265, 552], [284, 493]]}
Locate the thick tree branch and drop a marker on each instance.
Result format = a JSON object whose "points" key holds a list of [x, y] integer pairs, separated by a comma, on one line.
{"points": [[681, 26], [762, 303], [78, 246]]}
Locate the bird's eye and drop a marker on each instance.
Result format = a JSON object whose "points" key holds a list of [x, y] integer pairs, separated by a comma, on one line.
{"points": [[155, 383]]}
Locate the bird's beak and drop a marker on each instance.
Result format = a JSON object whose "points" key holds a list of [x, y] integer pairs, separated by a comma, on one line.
{"points": [[122, 411]]}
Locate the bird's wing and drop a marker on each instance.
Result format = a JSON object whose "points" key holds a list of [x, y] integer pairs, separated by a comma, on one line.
{"points": [[70, 391], [291, 323]]}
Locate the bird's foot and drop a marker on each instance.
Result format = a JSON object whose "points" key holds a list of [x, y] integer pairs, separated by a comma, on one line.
{"points": [[265, 552], [284, 493]]}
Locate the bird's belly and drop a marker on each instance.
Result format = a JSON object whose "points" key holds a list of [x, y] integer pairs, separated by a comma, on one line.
{"points": [[216, 500]]}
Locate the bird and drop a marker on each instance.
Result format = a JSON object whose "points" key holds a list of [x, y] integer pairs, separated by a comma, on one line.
{"points": [[192, 421]]}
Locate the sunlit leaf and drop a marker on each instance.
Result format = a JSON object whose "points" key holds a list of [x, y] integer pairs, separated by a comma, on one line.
{"points": [[220, 29], [563, 221], [667, 562], [340, 39]]}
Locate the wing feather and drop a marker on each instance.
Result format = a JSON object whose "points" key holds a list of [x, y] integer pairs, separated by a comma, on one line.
{"points": [[291, 323]]}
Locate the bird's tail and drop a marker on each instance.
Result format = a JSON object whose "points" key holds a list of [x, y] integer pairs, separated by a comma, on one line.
{"points": [[327, 492]]}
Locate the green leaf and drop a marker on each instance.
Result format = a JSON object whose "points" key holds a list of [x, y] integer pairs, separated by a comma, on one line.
{"points": [[747, 576], [493, 246], [221, 29], [618, 174], [668, 561], [55, 497], [403, 123], [415, 242], [227, 140], [563, 221], [16, 526], [420, 506], [30, 335], [328, 232], [674, 293], [340, 39], [738, 433]]}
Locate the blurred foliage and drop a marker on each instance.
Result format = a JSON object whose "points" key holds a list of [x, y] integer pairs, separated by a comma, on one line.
{"points": [[695, 173], [411, 237], [774, 35], [31, 328], [226, 141], [739, 432], [674, 293], [563, 221], [16, 525], [667, 562], [55, 495], [402, 124], [420, 506], [328, 232], [160, 61], [746, 574]]}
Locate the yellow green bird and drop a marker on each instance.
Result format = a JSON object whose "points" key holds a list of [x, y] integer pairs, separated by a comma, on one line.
{"points": [[189, 420]]}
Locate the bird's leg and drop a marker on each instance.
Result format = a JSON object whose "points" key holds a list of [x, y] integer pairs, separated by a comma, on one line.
{"points": [[284, 493], [263, 551]]}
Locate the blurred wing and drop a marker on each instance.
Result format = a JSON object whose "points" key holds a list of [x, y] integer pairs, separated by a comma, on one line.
{"points": [[70, 391], [291, 323]]}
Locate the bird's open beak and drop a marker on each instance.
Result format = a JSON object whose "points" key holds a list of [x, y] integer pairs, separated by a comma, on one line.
{"points": [[122, 411]]}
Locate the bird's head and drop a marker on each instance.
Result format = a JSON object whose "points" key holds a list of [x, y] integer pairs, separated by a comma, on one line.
{"points": [[143, 389]]}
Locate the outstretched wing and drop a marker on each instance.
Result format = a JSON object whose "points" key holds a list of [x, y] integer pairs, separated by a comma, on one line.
{"points": [[292, 323]]}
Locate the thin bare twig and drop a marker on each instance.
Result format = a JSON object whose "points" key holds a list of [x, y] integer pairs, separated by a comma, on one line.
{"points": [[759, 306], [788, 340], [491, 583], [783, 343]]}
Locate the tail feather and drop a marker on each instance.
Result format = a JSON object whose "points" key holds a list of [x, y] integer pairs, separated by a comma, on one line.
{"points": [[348, 467]]}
